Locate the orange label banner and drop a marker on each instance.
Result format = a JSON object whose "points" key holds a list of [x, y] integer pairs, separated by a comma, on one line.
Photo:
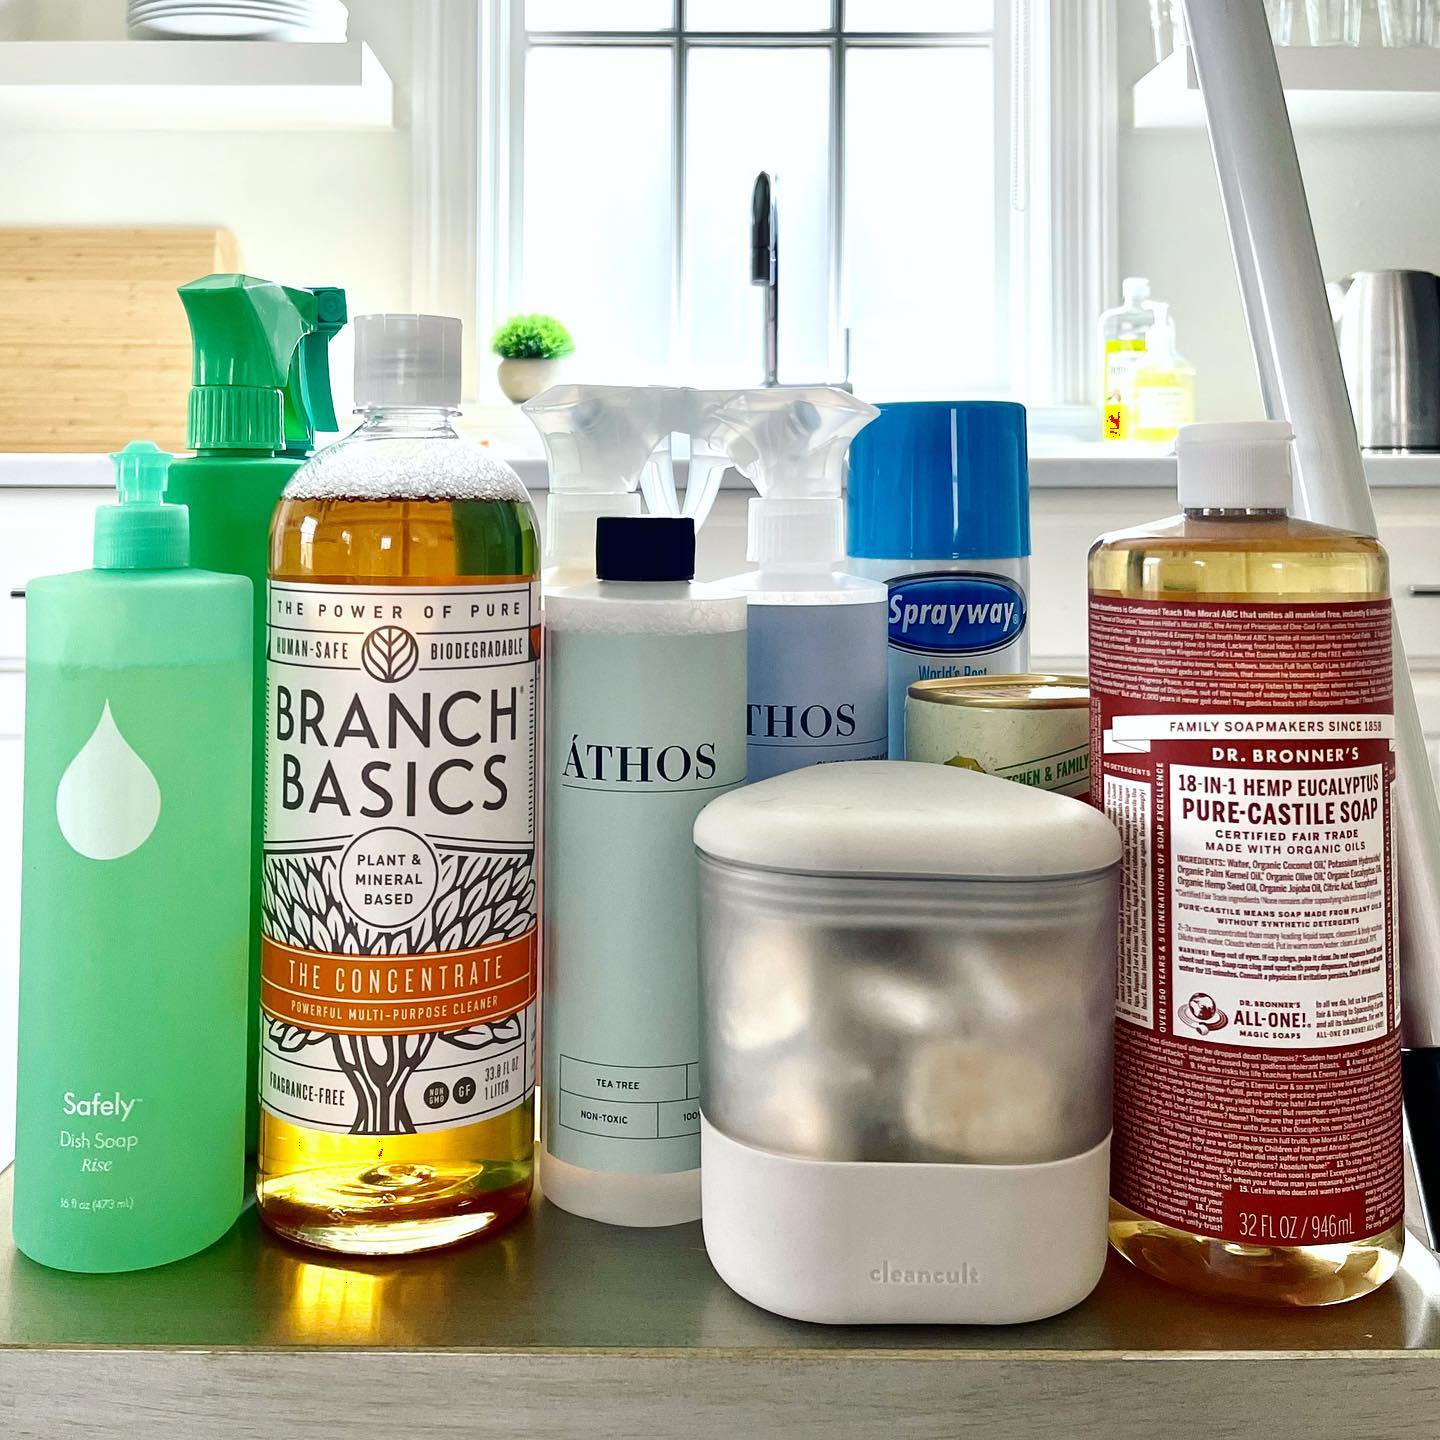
{"points": [[396, 994]]}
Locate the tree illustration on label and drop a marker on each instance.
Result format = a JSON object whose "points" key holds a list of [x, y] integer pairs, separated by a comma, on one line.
{"points": [[380, 1066], [390, 653], [108, 801], [481, 898]]}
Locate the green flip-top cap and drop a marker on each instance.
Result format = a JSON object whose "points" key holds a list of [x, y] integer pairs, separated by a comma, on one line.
{"points": [[142, 532], [309, 403], [245, 333]]}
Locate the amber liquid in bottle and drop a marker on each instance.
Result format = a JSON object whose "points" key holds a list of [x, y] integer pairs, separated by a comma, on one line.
{"points": [[393, 1193], [1246, 556]]}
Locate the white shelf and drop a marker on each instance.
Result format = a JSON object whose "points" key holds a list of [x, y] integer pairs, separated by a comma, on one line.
{"points": [[193, 85], [1326, 87]]}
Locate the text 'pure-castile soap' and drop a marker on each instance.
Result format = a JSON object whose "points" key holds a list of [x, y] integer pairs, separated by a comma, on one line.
{"points": [[645, 723], [398, 987], [1243, 744], [130, 1135]]}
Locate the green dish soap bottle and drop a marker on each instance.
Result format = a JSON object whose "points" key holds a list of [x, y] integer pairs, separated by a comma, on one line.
{"points": [[261, 390], [130, 1124]]}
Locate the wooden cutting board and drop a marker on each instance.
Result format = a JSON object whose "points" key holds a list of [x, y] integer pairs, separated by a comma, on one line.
{"points": [[94, 347]]}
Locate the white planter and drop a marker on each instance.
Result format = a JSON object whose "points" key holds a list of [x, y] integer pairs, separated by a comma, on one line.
{"points": [[523, 380]]}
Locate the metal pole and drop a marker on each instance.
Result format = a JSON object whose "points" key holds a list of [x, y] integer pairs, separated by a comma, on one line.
{"points": [[1283, 290]]}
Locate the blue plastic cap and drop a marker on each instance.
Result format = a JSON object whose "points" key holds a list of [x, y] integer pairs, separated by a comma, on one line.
{"points": [[941, 480]]}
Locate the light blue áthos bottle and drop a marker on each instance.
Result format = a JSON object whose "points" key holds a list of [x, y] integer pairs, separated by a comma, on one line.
{"points": [[939, 509], [816, 690], [644, 724], [130, 1125]]}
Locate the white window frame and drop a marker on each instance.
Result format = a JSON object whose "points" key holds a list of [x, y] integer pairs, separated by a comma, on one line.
{"points": [[468, 71]]}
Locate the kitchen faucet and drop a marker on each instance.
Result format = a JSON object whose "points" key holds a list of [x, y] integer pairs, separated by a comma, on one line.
{"points": [[765, 266]]}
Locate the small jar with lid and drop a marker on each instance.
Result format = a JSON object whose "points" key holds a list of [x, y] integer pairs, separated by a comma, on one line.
{"points": [[907, 995]]}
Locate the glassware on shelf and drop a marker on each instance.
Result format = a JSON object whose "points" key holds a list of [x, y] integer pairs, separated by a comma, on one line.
{"points": [[1333, 22], [1282, 14], [1409, 22], [1167, 26]]}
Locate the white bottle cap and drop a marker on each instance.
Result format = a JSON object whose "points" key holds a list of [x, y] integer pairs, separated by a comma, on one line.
{"points": [[1240, 466], [405, 361], [795, 531], [1135, 288]]}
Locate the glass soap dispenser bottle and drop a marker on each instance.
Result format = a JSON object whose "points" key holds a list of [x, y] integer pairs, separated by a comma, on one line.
{"points": [[130, 1134], [1242, 727]]}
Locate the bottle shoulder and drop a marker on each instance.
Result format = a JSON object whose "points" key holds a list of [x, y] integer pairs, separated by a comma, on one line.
{"points": [[1185, 533], [807, 587], [186, 582], [406, 467], [609, 607]]}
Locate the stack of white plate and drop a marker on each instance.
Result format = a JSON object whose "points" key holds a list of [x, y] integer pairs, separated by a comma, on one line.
{"points": [[313, 20]]}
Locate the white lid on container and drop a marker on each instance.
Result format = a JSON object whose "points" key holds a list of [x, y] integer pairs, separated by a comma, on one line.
{"points": [[1244, 465], [901, 818]]}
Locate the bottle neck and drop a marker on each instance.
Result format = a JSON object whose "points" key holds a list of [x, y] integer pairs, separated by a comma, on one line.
{"points": [[1226, 512], [409, 421]]}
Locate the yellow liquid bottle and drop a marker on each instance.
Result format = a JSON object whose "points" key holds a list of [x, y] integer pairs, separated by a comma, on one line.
{"points": [[1240, 673], [1162, 386], [399, 941]]}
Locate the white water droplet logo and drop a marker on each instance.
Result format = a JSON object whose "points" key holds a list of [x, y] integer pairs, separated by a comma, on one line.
{"points": [[107, 802]]}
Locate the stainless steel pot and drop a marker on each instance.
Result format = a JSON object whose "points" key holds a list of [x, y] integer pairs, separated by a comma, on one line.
{"points": [[1390, 348]]}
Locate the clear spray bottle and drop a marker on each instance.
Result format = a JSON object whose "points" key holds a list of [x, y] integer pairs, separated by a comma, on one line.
{"points": [[598, 440], [817, 650]]}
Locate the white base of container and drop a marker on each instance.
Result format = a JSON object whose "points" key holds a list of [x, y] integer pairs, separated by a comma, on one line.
{"points": [[638, 1200], [859, 1243]]}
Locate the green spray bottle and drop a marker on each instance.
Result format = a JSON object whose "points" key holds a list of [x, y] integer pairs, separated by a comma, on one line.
{"points": [[130, 1122], [261, 389]]}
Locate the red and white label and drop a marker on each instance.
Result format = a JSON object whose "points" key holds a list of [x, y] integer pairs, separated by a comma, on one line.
{"points": [[1245, 752]]}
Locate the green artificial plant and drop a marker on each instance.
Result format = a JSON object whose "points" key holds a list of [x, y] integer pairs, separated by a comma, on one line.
{"points": [[532, 337]]}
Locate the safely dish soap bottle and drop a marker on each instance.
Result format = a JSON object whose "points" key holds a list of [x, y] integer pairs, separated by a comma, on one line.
{"points": [[399, 908], [130, 1124], [1242, 733]]}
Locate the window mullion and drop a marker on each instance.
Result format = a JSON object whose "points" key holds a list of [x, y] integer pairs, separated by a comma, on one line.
{"points": [[838, 301], [679, 327]]}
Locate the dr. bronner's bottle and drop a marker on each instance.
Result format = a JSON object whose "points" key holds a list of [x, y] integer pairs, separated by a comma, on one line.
{"points": [[1242, 731], [399, 937]]}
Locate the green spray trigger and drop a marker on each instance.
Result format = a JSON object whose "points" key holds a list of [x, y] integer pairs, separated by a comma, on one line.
{"points": [[245, 333], [309, 403]]}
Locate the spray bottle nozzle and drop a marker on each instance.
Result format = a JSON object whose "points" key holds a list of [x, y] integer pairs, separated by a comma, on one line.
{"points": [[309, 401], [245, 333], [142, 532], [791, 445]]}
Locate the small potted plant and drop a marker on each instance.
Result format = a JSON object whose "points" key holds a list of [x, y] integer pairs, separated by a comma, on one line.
{"points": [[530, 348]]}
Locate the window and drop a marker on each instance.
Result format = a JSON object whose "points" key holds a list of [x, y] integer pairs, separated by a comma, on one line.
{"points": [[645, 123], [943, 180]]}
